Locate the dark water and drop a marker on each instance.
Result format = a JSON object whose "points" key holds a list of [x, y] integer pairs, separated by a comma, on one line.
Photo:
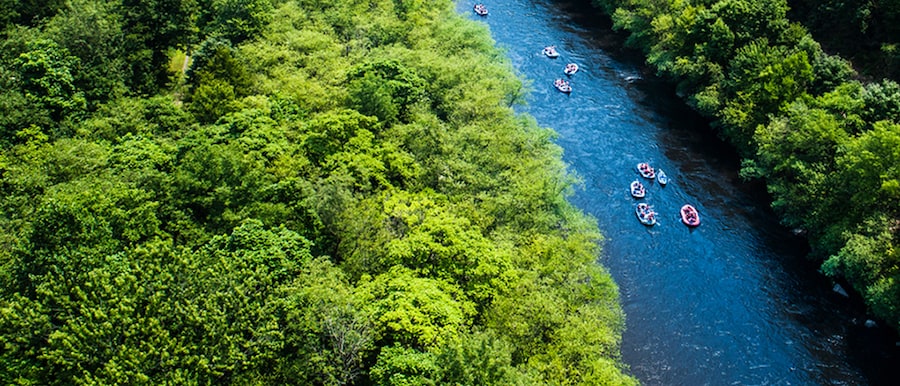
{"points": [[732, 302]]}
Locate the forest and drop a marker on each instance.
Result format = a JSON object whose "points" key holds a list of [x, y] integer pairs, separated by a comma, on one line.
{"points": [[824, 136], [867, 33], [286, 192]]}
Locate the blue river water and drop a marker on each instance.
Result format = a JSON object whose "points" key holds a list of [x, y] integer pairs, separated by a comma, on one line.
{"points": [[731, 302]]}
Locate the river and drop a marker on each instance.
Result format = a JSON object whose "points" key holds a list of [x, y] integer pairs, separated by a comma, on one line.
{"points": [[731, 302]]}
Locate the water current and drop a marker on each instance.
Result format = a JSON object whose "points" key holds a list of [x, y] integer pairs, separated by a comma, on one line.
{"points": [[731, 302]]}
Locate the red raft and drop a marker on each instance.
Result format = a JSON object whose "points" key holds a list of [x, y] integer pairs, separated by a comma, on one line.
{"points": [[689, 216]]}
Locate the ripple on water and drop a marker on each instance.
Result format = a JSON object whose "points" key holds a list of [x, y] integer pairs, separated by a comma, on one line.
{"points": [[720, 304]]}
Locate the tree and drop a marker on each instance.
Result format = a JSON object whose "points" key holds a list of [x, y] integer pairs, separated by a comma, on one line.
{"points": [[870, 263], [152, 27], [869, 170], [882, 102], [156, 314], [213, 181], [797, 154], [329, 335], [92, 32], [422, 233], [385, 89], [218, 79], [326, 134], [480, 358], [30, 12], [236, 20], [762, 80], [47, 77], [150, 243], [751, 20], [404, 366], [414, 311]]}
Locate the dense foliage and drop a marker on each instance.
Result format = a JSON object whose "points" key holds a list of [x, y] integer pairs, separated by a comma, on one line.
{"points": [[865, 32], [826, 144], [327, 192]]}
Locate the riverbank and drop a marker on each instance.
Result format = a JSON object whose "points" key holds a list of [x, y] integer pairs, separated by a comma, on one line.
{"points": [[341, 195], [735, 297], [800, 121]]}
